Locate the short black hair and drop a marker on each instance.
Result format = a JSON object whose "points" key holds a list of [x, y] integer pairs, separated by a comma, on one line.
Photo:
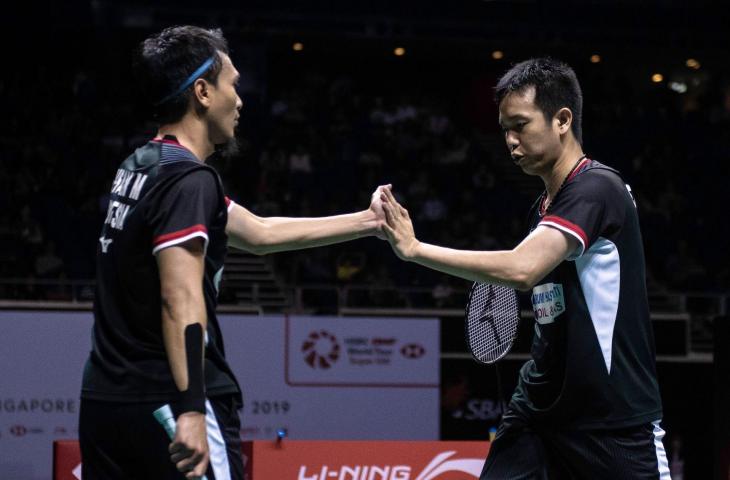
{"points": [[556, 87], [166, 60]]}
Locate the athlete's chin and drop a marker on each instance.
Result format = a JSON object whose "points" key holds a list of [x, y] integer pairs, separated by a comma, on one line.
{"points": [[528, 167], [229, 148], [224, 137]]}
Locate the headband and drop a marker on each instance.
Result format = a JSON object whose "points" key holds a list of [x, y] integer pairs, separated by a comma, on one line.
{"points": [[189, 81]]}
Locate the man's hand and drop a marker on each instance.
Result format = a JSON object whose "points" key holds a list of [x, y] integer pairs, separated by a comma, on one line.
{"points": [[376, 206], [398, 227], [189, 448]]}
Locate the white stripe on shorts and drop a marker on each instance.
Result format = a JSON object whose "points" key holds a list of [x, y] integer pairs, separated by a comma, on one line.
{"points": [[217, 446], [661, 455]]}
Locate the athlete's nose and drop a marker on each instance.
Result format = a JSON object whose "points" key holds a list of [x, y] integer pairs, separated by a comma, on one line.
{"points": [[512, 141]]}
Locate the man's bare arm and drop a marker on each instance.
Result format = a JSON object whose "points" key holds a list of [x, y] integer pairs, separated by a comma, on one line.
{"points": [[181, 287], [262, 235], [520, 268]]}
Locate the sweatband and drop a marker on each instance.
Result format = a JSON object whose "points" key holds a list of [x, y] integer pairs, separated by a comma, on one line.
{"points": [[193, 399]]}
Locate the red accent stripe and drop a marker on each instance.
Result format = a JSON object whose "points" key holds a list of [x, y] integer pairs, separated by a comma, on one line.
{"points": [[179, 234], [166, 140], [578, 169], [228, 201], [569, 225]]}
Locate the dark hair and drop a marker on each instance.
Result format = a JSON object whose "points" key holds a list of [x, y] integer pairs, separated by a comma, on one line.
{"points": [[166, 60], [556, 86]]}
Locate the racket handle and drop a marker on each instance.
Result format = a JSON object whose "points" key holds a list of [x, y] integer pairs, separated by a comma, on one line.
{"points": [[164, 417]]}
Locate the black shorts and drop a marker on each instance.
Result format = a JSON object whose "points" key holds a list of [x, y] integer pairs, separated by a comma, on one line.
{"points": [[525, 451], [124, 441]]}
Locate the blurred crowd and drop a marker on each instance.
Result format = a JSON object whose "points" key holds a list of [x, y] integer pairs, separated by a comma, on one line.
{"points": [[317, 139]]}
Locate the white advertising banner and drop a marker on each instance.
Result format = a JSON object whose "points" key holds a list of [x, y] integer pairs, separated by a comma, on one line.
{"points": [[336, 377], [41, 356], [317, 377]]}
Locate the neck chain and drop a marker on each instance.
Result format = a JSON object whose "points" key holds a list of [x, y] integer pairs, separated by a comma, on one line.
{"points": [[545, 207]]}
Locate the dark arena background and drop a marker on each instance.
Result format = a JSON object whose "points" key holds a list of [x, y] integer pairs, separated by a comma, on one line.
{"points": [[338, 98]]}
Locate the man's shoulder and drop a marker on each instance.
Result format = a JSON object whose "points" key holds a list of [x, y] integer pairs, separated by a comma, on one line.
{"points": [[163, 156], [197, 177], [145, 157], [598, 179]]}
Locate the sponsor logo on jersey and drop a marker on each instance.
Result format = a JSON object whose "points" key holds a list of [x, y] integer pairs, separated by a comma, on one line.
{"points": [[548, 302]]}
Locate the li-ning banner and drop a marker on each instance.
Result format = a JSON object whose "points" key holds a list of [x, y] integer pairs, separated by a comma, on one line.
{"points": [[384, 460], [316, 377], [336, 460]]}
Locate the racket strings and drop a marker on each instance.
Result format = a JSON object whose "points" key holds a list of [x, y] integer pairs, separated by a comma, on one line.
{"points": [[492, 319]]}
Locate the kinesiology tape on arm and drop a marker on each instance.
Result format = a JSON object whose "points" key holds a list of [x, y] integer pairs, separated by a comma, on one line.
{"points": [[193, 399]]}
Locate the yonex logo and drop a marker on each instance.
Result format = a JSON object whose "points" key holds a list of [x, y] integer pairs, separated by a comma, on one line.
{"points": [[487, 316], [412, 350], [321, 349]]}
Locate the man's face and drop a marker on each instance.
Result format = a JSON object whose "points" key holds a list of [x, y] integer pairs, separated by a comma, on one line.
{"points": [[225, 104], [533, 142]]}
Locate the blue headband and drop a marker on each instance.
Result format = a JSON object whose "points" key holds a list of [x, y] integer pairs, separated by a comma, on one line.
{"points": [[189, 81]]}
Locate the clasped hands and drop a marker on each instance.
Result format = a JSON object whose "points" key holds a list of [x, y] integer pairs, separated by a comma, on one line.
{"points": [[394, 223]]}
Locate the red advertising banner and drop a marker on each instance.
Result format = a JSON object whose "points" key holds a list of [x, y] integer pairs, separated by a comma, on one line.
{"points": [[66, 460], [333, 460], [362, 460]]}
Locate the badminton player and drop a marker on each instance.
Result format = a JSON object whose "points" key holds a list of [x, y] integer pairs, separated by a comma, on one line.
{"points": [[587, 403], [156, 339]]}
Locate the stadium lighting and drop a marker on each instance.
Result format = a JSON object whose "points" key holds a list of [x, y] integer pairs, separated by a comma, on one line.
{"points": [[595, 58], [399, 51], [692, 63], [657, 78], [679, 87], [498, 54], [298, 46]]}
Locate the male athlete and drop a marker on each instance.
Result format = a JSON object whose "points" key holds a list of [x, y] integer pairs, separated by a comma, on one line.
{"points": [[587, 404], [156, 339]]}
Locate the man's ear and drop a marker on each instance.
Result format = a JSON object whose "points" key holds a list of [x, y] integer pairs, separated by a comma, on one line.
{"points": [[201, 92], [564, 119]]}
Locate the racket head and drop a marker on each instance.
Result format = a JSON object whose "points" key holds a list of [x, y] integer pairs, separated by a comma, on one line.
{"points": [[491, 320]]}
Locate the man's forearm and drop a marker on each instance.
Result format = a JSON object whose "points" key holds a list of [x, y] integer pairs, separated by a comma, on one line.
{"points": [[277, 234], [178, 312], [181, 294], [521, 268], [497, 267]]}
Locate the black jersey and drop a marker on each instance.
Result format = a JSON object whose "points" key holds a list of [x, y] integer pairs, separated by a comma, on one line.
{"points": [[593, 358], [161, 196]]}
